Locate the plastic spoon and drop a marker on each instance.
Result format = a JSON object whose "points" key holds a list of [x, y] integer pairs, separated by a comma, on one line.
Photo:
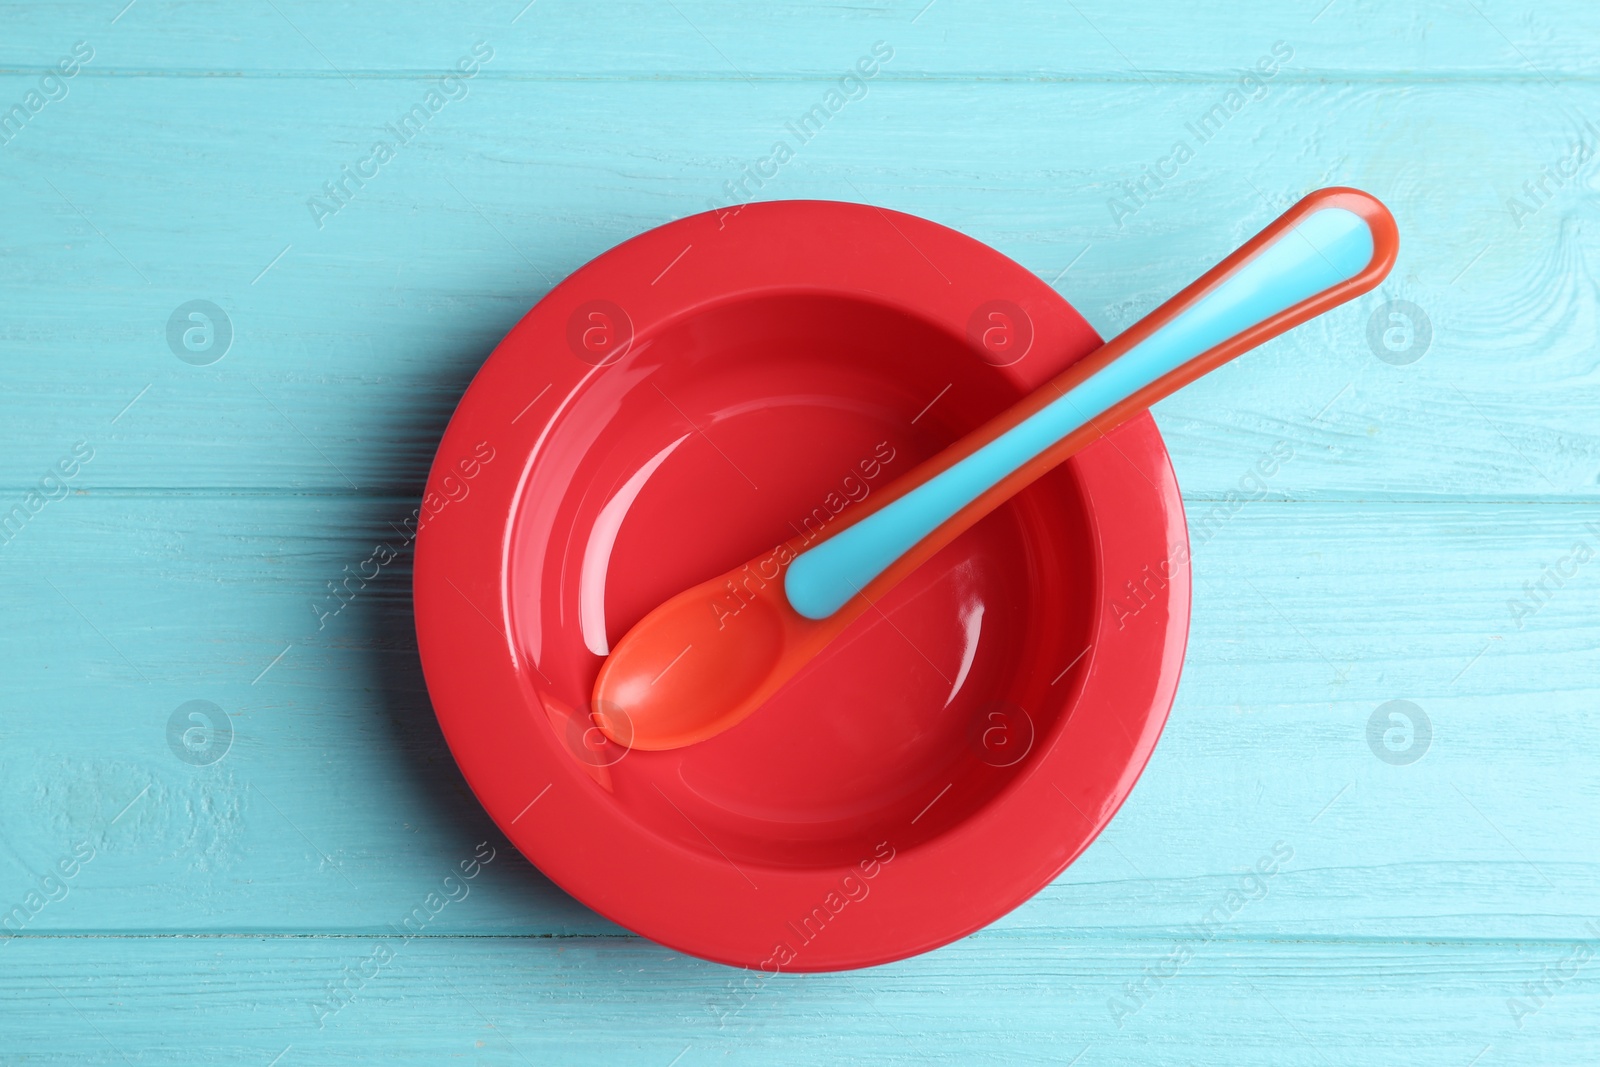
{"points": [[711, 655]]}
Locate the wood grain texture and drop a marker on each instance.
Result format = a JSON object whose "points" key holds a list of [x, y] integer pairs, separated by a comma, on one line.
{"points": [[958, 39], [1440, 912], [138, 602], [987, 1000], [349, 352]]}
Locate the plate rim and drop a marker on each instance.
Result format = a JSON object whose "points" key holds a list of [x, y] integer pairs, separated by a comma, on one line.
{"points": [[693, 903]]}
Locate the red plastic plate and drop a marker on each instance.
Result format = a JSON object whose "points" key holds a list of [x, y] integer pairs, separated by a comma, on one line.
{"points": [[696, 395]]}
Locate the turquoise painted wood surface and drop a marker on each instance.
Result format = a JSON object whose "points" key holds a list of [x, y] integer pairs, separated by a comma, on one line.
{"points": [[1428, 541]]}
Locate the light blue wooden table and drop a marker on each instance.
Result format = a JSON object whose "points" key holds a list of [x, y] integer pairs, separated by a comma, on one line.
{"points": [[170, 517]]}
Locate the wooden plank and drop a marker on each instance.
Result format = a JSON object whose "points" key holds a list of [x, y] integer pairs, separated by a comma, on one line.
{"points": [[337, 806], [724, 39], [348, 352], [988, 1000]]}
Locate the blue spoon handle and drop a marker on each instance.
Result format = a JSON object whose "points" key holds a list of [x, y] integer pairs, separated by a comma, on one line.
{"points": [[1330, 247]]}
